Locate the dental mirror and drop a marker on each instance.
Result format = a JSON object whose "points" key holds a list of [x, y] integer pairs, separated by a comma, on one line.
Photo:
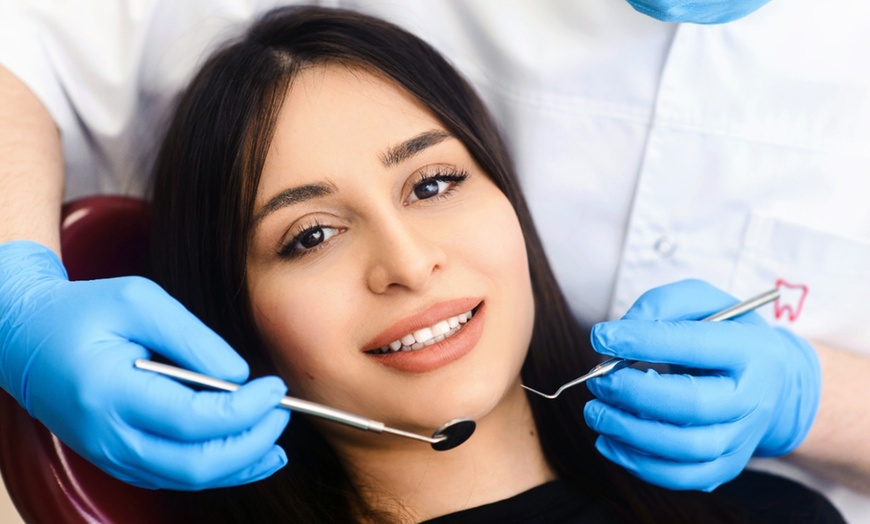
{"points": [[448, 436], [454, 432]]}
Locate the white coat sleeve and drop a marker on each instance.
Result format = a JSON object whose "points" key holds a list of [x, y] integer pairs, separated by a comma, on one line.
{"points": [[26, 50], [108, 71]]}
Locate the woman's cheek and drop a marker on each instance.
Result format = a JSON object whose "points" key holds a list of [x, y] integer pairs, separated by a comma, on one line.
{"points": [[500, 239], [507, 258], [296, 316], [277, 316]]}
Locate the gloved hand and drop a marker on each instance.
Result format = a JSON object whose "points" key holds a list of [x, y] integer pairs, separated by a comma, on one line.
{"points": [[66, 355], [747, 389], [697, 11]]}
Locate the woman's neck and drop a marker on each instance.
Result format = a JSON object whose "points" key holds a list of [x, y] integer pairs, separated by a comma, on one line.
{"points": [[503, 458]]}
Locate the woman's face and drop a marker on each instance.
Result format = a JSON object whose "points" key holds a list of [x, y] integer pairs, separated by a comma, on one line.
{"points": [[375, 234]]}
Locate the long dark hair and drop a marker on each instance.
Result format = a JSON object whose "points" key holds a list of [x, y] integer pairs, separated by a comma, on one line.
{"points": [[207, 172]]}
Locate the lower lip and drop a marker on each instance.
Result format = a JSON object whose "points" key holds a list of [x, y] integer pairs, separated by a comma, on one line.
{"points": [[439, 354]]}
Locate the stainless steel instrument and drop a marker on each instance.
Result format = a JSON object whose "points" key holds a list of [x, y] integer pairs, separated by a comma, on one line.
{"points": [[448, 436], [616, 363]]}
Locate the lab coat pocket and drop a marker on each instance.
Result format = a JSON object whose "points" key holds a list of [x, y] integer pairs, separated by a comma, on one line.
{"points": [[823, 277]]}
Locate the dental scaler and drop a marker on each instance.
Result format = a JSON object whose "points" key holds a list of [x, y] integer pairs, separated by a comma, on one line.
{"points": [[614, 364]]}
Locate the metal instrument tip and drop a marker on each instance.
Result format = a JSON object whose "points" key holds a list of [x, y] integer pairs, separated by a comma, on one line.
{"points": [[535, 391]]}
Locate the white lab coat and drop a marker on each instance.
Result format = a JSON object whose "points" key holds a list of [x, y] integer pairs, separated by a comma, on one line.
{"points": [[649, 152]]}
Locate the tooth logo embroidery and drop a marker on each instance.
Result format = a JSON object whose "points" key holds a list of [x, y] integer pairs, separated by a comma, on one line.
{"points": [[791, 301]]}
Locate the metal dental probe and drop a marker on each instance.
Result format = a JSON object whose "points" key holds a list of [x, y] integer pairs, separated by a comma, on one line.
{"points": [[616, 363], [446, 437]]}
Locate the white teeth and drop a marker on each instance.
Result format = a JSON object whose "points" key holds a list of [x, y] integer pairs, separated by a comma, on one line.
{"points": [[440, 328], [427, 336], [422, 335]]}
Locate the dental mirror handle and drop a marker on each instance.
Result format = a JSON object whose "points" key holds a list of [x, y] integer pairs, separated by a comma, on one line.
{"points": [[291, 403], [616, 363]]}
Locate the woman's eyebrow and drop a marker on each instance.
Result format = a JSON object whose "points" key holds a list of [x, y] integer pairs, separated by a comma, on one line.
{"points": [[293, 195], [401, 152], [394, 155]]}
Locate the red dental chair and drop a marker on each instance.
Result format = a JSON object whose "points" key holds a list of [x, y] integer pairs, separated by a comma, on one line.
{"points": [[101, 237]]}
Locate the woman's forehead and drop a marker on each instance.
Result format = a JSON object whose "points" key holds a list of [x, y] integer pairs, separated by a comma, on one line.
{"points": [[339, 88], [335, 113]]}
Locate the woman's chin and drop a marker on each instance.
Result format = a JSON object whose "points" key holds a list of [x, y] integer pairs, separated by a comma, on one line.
{"points": [[476, 406]]}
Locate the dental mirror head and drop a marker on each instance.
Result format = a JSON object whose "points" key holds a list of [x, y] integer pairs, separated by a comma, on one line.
{"points": [[454, 432]]}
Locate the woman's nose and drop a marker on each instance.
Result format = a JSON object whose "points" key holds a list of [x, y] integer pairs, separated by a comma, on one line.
{"points": [[403, 256]]}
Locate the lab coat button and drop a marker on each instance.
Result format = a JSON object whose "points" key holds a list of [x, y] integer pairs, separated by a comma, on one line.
{"points": [[665, 246]]}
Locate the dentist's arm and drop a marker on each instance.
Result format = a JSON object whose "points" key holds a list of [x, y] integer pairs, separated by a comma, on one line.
{"points": [[749, 390], [837, 446], [31, 172], [690, 443], [741, 388], [67, 348]]}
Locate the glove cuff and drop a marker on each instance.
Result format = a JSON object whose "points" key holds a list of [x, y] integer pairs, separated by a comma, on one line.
{"points": [[803, 393], [24, 267], [19, 257]]}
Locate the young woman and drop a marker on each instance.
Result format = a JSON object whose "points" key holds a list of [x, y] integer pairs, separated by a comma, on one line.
{"points": [[334, 200]]}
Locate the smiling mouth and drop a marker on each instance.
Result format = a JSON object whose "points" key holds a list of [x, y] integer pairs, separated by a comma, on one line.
{"points": [[427, 336]]}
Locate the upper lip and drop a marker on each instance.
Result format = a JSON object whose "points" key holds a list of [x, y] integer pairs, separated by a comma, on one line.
{"points": [[432, 315]]}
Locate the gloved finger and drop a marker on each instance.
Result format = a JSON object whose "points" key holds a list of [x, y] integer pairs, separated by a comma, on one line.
{"points": [[270, 463], [703, 476], [684, 300], [154, 319], [195, 465], [161, 406], [708, 345], [695, 11], [274, 460], [669, 441], [675, 398]]}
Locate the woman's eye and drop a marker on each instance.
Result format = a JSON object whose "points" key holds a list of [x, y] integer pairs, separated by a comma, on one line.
{"points": [[308, 240], [429, 188], [434, 186]]}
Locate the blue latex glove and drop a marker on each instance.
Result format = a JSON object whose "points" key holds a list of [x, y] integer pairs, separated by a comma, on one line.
{"points": [[747, 389], [66, 355], [697, 11]]}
